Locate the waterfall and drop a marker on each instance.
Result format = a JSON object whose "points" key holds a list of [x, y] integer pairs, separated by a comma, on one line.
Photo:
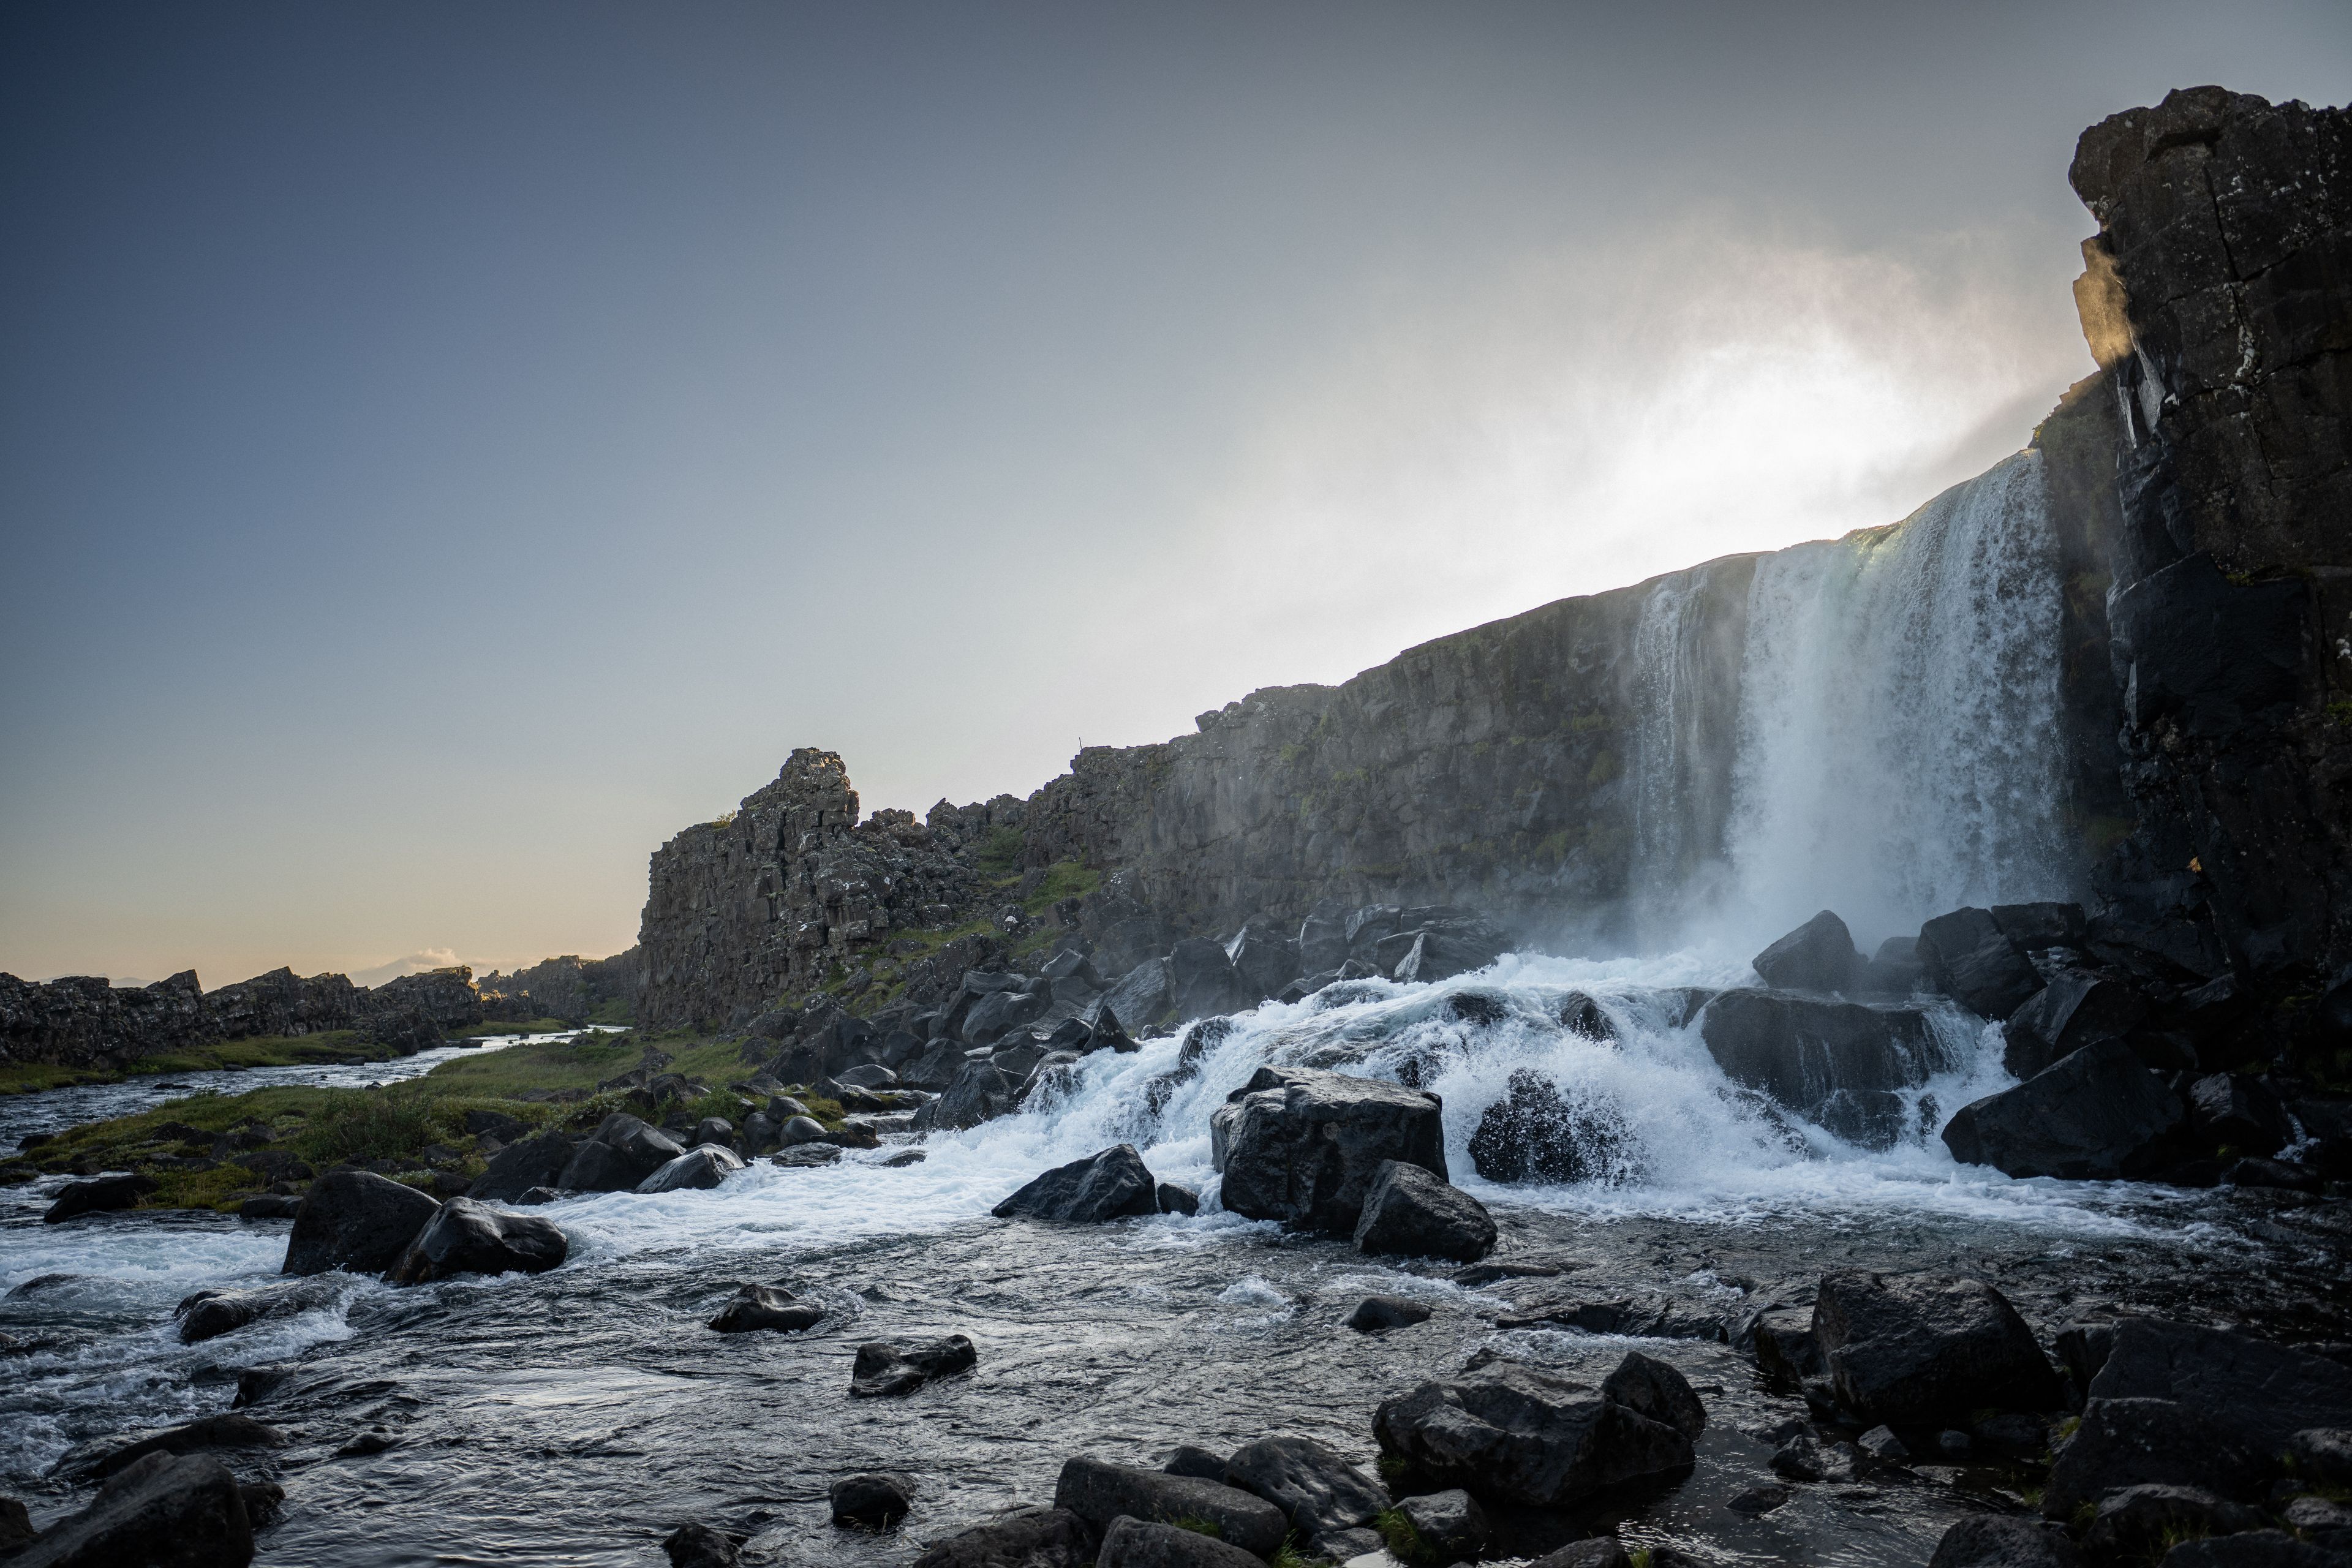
{"points": [[1899, 751]]}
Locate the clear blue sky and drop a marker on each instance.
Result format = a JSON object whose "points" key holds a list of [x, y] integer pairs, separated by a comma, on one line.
{"points": [[445, 448]]}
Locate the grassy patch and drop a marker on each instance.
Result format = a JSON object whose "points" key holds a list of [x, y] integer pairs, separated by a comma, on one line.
{"points": [[533, 1027], [1402, 1539], [999, 854], [326, 1047], [1064, 880], [1198, 1526]]}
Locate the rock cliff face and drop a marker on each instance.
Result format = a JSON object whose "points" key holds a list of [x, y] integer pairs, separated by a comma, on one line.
{"points": [[569, 987], [2218, 294]]}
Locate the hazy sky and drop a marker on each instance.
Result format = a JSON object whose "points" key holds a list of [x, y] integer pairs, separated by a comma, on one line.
{"points": [[446, 449]]}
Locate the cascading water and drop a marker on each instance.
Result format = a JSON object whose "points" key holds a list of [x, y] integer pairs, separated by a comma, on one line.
{"points": [[1898, 751]]}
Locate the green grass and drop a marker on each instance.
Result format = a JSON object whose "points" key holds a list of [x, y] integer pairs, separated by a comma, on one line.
{"points": [[1402, 1539], [999, 854], [1064, 880], [325, 1047], [1288, 1555], [531, 1027], [1198, 1526]]}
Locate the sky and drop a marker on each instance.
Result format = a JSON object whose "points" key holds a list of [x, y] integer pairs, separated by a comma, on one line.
{"points": [[445, 449]]}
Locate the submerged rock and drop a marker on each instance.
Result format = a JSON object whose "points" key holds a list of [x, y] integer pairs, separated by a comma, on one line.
{"points": [[469, 1237], [355, 1220], [1098, 1492], [884, 1368], [110, 1457], [1304, 1146], [1917, 1349], [1411, 1213], [208, 1314], [188, 1511], [766, 1306], [1111, 1185], [874, 1500], [1374, 1314], [697, 1545]]}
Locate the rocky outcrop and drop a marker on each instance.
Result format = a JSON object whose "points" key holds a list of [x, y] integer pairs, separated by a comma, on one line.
{"points": [[570, 987]]}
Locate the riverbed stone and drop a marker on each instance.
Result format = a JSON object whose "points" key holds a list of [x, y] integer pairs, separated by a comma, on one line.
{"points": [[1817, 956], [2097, 1115], [1451, 1526], [1028, 1537], [1920, 1348], [2140, 1521], [624, 1150], [519, 1166], [1317, 1489], [873, 1500], [1838, 1063], [1112, 1183], [1409, 1212], [885, 1368], [185, 1511], [108, 1456], [1305, 1145], [1130, 1542], [1100, 1492], [772, 1306], [704, 1165], [469, 1237], [1658, 1390], [208, 1314], [1515, 1435], [355, 1220], [2002, 1541], [1375, 1314], [697, 1545], [105, 1194]]}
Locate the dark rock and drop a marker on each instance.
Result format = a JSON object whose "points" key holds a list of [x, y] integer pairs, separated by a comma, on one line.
{"points": [[1104, 1186], [622, 1152], [1656, 1390], [873, 1501], [1580, 1015], [106, 1194], [1132, 1542], [2321, 1520], [1802, 1459], [868, 1075], [1018, 1538], [2078, 1007], [268, 1205], [1376, 1313], [1106, 1032], [884, 1368], [2324, 1454], [1202, 982], [704, 1165], [518, 1167], [2275, 1174], [697, 1545], [1913, 1349], [1817, 956], [1000, 1013], [755, 1307], [1997, 1541], [2126, 1442], [1411, 1213], [799, 1129], [979, 1093], [1600, 1552], [15, 1524], [2095, 1115], [2142, 1521], [1174, 1197], [208, 1314], [1881, 1444], [1264, 960], [2255, 1549], [1323, 937], [1521, 1437], [107, 1457], [355, 1220], [535, 1197], [904, 1158], [1760, 1501], [1895, 969], [2240, 1114], [1488, 1273], [1143, 997], [721, 1133], [1451, 1524], [1099, 1492], [1834, 1063], [1533, 1134], [184, 1512], [469, 1237], [1317, 1490], [1306, 1145], [1969, 958], [1785, 1349], [1190, 1460], [1347, 1545]]}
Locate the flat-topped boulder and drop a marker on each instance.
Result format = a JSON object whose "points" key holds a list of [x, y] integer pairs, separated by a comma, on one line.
{"points": [[1513, 1435], [1099, 1491], [1919, 1349], [2097, 1115], [1303, 1146]]}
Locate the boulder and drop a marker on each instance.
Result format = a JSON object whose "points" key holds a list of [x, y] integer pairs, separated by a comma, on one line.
{"points": [[1971, 959], [1837, 1064], [1098, 1492], [1658, 1391], [2142, 1521], [1817, 956], [269, 1205], [1104, 1186], [979, 1093], [1106, 1032], [2079, 1007], [2122, 1442], [1189, 1459], [1917, 1349], [1895, 970], [1264, 960], [1317, 1490], [2239, 1113], [772, 1306], [185, 1511], [1143, 997], [1999, 1541], [717, 1131], [697, 1545], [1174, 1197], [208, 1314], [1599, 1551], [1000, 1013], [1516, 1436], [106, 1194], [1306, 1144], [873, 1500], [1786, 1352], [2255, 1549], [519, 1166], [1451, 1524], [1374, 1314], [469, 1237], [622, 1152], [884, 1369], [799, 1129], [1137, 1544], [15, 1524], [1533, 1134], [1323, 937], [1409, 1212], [1018, 1538], [2097, 1115], [2324, 1454], [355, 1220], [2278, 1174], [1201, 980], [205, 1435], [704, 1165]]}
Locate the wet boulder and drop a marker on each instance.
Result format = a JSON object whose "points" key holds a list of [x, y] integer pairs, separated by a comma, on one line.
{"points": [[1515, 1436], [1375, 1314], [1410, 1213], [1451, 1525], [208, 1314], [622, 1152], [1436, 943], [714, 1131], [695, 1544], [1000, 1013], [1201, 980], [2239, 1113], [1264, 960], [355, 1220], [1142, 998], [469, 1237], [1817, 956], [2001, 1541], [1895, 970], [1139, 1543], [1971, 959], [873, 1500], [704, 1165], [2079, 1007], [884, 1368], [979, 1093], [1580, 1015], [1098, 1492], [1534, 1134], [771, 1308], [105, 1194], [2143, 1521], [1174, 1197], [1106, 1032], [1837, 1064], [1652, 1388], [1104, 1186], [1920, 1348], [1305, 1145], [1318, 1491], [208, 1434], [521, 1165], [2095, 1115], [1018, 1538], [1190, 1459], [188, 1511]]}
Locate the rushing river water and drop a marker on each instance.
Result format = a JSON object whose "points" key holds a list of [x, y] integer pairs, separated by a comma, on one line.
{"points": [[577, 1416]]}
